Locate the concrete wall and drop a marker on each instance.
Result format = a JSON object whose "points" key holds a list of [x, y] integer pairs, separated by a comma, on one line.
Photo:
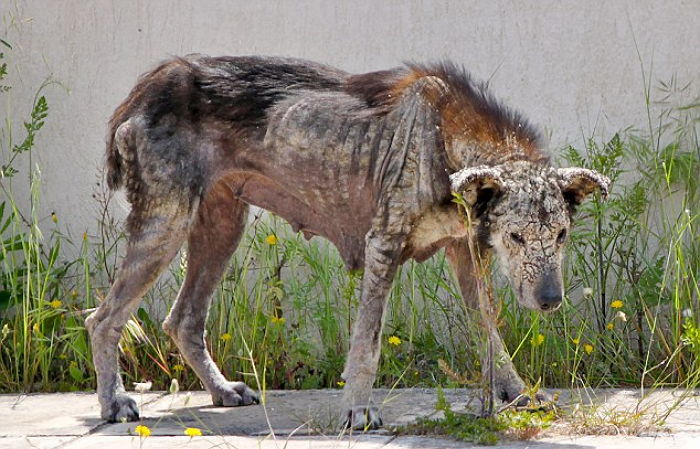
{"points": [[573, 67]]}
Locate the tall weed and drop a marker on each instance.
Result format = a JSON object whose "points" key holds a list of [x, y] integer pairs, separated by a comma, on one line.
{"points": [[43, 345]]}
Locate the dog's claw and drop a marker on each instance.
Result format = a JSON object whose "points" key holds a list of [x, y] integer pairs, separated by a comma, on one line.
{"points": [[521, 399], [235, 394], [363, 418], [122, 409]]}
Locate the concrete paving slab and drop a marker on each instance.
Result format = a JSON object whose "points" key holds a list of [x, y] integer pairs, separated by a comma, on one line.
{"points": [[681, 441], [32, 442], [71, 420], [410, 442], [285, 412], [227, 442], [682, 407], [583, 442], [679, 409], [57, 414]]}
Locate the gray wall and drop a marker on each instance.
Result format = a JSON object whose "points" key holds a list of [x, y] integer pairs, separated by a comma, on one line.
{"points": [[572, 66]]}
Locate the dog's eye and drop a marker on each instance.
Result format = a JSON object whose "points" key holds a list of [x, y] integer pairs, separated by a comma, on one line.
{"points": [[562, 236], [517, 238]]}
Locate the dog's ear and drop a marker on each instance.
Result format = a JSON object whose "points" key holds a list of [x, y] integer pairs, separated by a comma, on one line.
{"points": [[577, 183], [477, 185]]}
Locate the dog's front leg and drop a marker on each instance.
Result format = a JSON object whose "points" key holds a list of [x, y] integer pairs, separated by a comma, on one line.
{"points": [[381, 260], [508, 386]]}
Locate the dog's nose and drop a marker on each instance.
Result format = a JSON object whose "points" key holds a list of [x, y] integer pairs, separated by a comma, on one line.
{"points": [[549, 292], [550, 300]]}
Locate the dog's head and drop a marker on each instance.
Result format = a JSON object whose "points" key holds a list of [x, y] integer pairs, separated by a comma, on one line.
{"points": [[523, 211]]}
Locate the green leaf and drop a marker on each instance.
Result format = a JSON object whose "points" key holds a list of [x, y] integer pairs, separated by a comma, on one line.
{"points": [[75, 373], [143, 316], [5, 296]]}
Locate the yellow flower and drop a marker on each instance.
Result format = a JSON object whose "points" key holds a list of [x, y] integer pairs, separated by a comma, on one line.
{"points": [[341, 383], [54, 217], [225, 337], [56, 303], [85, 235], [142, 431], [193, 432], [537, 340], [394, 340], [271, 239], [575, 341], [36, 328], [277, 319], [617, 304], [610, 326], [588, 349], [178, 367]]}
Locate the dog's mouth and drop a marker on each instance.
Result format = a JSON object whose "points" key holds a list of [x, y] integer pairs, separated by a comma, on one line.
{"points": [[529, 302], [530, 305], [548, 310], [524, 301], [545, 302]]}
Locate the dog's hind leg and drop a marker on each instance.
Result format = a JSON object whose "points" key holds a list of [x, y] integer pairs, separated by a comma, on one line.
{"points": [[214, 237], [157, 234]]}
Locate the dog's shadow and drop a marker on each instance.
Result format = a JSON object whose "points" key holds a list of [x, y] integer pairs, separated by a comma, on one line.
{"points": [[307, 412]]}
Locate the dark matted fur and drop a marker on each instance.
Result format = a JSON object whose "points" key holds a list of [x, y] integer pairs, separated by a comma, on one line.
{"points": [[240, 90]]}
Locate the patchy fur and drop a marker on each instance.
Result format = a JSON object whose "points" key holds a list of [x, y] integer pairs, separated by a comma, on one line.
{"points": [[362, 160]]}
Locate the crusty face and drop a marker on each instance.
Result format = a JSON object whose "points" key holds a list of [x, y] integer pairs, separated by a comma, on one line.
{"points": [[529, 224], [522, 211]]}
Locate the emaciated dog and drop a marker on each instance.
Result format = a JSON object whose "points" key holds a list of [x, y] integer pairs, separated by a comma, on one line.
{"points": [[368, 161]]}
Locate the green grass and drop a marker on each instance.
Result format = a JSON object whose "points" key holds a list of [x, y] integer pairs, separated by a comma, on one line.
{"points": [[43, 344], [285, 307], [511, 424]]}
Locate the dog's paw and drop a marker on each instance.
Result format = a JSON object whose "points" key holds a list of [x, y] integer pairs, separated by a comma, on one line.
{"points": [[233, 394], [121, 409], [363, 418], [520, 397], [543, 401]]}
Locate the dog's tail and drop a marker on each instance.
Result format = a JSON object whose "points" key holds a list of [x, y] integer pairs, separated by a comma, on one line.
{"points": [[155, 91], [115, 166]]}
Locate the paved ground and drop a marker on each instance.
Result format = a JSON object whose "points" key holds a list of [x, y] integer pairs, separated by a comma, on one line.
{"points": [[301, 419]]}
